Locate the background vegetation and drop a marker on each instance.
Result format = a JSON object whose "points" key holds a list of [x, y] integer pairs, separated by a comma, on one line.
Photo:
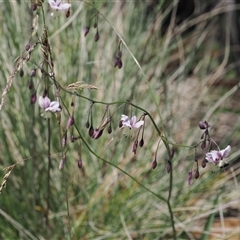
{"points": [[180, 68]]}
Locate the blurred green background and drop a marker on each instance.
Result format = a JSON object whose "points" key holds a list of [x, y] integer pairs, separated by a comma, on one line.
{"points": [[180, 63]]}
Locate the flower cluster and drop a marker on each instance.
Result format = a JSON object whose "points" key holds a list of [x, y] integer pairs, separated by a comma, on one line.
{"points": [[46, 104], [58, 5]]}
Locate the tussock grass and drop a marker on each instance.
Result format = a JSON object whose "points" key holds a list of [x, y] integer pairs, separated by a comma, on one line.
{"points": [[180, 76]]}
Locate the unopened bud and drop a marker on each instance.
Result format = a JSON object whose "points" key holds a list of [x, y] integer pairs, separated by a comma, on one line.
{"points": [[33, 98], [97, 133], [64, 140], [120, 63], [95, 25], [96, 37], [30, 84], [141, 143], [33, 73], [21, 72], [34, 7], [45, 93], [68, 13], [72, 138], [72, 104], [120, 123], [197, 174], [204, 163], [109, 129], [169, 165], [70, 122], [154, 164], [86, 31], [189, 177], [27, 47], [79, 163], [91, 131], [203, 145], [135, 145], [87, 124]]}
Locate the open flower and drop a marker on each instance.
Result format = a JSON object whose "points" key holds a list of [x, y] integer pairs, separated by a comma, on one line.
{"points": [[58, 5], [131, 122], [216, 157], [47, 105]]}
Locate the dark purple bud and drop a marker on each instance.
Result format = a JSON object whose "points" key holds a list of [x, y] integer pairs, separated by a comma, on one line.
{"points": [[120, 63], [197, 174], [61, 164], [72, 104], [141, 143], [79, 163], [64, 140], [203, 135], [27, 47], [96, 37], [34, 7], [87, 124], [21, 72], [68, 13], [95, 25], [135, 145], [70, 122], [169, 165], [204, 163], [45, 93], [33, 73], [109, 129], [97, 133], [86, 31], [172, 152], [203, 125], [91, 131], [119, 55], [33, 98], [30, 84], [154, 164], [120, 123], [189, 177], [203, 145], [116, 61], [72, 138]]}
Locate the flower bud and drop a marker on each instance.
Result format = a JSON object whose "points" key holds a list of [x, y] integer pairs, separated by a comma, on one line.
{"points": [[72, 138], [95, 25], [33, 98], [203, 145], [109, 129], [70, 122], [189, 177], [33, 73], [34, 7], [79, 163], [135, 145], [64, 140], [141, 143], [97, 133], [120, 123], [120, 63], [204, 163], [86, 31], [91, 131], [30, 84], [87, 124], [169, 165], [27, 47], [154, 164], [96, 37], [68, 13], [197, 174], [21, 72]]}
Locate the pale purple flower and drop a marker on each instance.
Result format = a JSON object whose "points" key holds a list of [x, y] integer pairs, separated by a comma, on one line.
{"points": [[216, 157], [131, 122], [58, 5], [47, 105]]}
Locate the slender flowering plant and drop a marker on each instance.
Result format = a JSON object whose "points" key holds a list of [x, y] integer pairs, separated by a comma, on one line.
{"points": [[216, 157], [131, 122], [58, 5], [49, 106]]}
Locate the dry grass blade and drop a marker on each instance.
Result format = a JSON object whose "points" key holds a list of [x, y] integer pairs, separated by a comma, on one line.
{"points": [[80, 86]]}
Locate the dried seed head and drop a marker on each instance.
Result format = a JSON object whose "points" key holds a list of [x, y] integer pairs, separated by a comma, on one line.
{"points": [[86, 31], [33, 98], [154, 164]]}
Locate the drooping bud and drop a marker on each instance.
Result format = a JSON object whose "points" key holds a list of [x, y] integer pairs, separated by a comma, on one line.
{"points": [[203, 145], [27, 47], [197, 174], [30, 84], [87, 124], [97, 133], [64, 140], [21, 73], [86, 31], [33, 73], [120, 63], [79, 163], [33, 98], [72, 104], [154, 164], [70, 122], [34, 7], [109, 129], [96, 37], [45, 93], [68, 13], [169, 165], [189, 177], [141, 143], [204, 163], [90, 131], [120, 123], [95, 25], [61, 164], [135, 145], [72, 138], [203, 125]]}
